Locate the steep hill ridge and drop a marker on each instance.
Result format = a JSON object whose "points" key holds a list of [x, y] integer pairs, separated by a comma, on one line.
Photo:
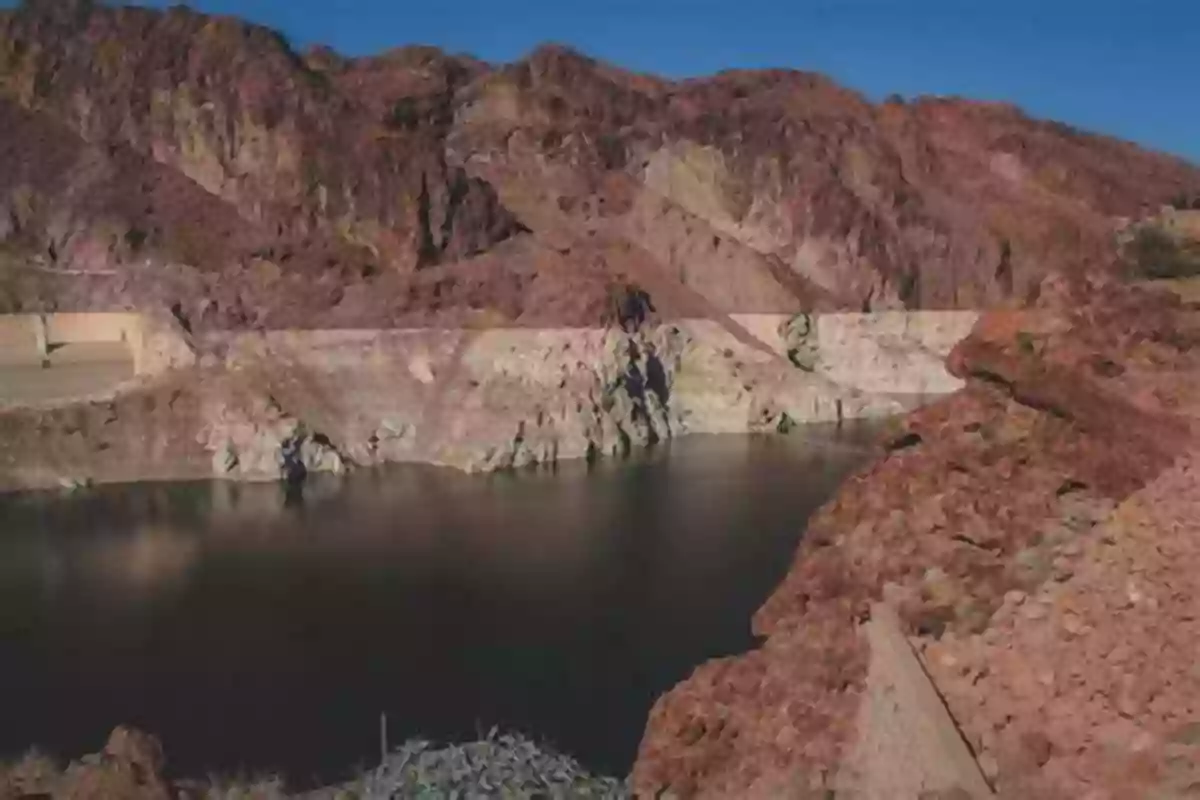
{"points": [[199, 162]]}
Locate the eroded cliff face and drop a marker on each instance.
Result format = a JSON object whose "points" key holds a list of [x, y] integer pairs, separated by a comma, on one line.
{"points": [[801, 189], [1019, 527], [195, 162]]}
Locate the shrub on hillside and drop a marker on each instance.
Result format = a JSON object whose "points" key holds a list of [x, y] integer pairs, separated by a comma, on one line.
{"points": [[1184, 202], [404, 115], [629, 305], [1154, 253]]}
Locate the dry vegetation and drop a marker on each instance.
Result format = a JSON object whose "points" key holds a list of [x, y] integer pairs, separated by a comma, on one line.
{"points": [[498, 765], [1156, 253]]}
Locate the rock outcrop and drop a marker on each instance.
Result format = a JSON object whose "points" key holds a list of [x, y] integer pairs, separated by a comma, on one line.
{"points": [[1086, 685], [177, 160], [252, 438], [1022, 528]]}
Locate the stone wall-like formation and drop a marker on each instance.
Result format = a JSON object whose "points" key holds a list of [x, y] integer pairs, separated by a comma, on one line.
{"points": [[886, 352], [18, 343], [480, 400], [489, 399], [153, 342], [80, 328]]}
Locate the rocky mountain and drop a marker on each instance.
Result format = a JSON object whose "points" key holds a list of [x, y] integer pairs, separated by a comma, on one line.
{"points": [[200, 163]]}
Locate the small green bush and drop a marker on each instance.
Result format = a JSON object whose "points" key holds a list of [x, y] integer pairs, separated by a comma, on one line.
{"points": [[612, 152], [136, 237], [1154, 253], [1184, 202], [1026, 343], [405, 114]]}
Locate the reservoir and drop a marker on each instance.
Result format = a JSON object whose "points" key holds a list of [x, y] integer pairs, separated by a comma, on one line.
{"points": [[260, 631]]}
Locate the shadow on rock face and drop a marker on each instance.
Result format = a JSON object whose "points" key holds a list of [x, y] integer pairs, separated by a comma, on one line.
{"points": [[656, 378]]}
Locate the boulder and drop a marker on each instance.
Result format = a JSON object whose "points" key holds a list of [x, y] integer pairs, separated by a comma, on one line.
{"points": [[130, 767]]}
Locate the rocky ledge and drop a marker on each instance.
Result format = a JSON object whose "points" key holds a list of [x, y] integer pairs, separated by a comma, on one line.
{"points": [[1034, 536]]}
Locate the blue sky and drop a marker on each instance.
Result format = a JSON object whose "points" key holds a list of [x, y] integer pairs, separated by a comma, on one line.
{"points": [[1126, 67]]}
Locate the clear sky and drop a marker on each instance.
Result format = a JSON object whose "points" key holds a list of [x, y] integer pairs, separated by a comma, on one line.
{"points": [[1130, 68]]}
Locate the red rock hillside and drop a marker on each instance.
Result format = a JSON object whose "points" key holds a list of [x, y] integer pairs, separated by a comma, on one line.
{"points": [[1036, 532], [199, 163]]}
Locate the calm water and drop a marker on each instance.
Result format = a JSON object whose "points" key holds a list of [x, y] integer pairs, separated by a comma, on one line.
{"points": [[254, 631]]}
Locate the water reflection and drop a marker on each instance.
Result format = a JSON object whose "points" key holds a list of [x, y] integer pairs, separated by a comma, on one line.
{"points": [[129, 569], [253, 629]]}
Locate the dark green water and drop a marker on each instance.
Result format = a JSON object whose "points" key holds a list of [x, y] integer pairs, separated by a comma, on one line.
{"points": [[250, 630]]}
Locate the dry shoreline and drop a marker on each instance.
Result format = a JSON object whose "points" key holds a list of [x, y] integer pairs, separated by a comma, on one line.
{"points": [[271, 405]]}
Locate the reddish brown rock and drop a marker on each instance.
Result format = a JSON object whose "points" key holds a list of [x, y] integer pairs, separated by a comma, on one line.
{"points": [[1093, 696], [177, 159], [978, 499]]}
